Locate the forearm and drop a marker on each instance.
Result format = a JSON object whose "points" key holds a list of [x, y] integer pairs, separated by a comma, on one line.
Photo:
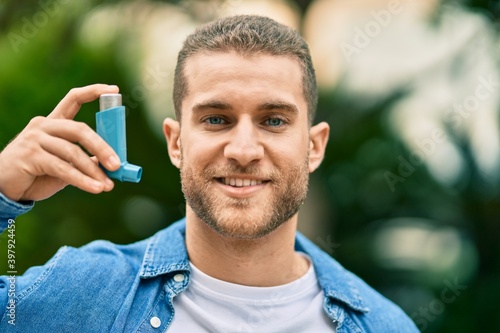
{"points": [[11, 209]]}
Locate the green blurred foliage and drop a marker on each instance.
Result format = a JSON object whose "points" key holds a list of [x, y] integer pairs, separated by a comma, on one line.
{"points": [[36, 73]]}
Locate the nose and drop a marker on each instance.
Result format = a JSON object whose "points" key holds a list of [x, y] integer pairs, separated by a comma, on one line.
{"points": [[244, 146]]}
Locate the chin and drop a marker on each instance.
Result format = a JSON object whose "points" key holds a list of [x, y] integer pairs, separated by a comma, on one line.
{"points": [[242, 225]]}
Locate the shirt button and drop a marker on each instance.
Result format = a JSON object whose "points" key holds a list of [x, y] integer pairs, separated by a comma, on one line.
{"points": [[155, 322], [178, 277]]}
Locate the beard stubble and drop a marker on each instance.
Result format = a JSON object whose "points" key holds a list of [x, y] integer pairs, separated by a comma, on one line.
{"points": [[245, 218]]}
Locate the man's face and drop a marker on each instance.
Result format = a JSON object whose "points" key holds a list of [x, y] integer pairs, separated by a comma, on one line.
{"points": [[244, 142]]}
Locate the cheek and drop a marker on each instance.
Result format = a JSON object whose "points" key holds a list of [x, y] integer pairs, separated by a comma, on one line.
{"points": [[293, 148], [198, 152]]}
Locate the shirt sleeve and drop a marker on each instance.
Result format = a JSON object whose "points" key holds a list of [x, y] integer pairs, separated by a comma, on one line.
{"points": [[10, 209]]}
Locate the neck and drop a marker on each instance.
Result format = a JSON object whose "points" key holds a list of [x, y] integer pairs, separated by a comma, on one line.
{"points": [[267, 261]]}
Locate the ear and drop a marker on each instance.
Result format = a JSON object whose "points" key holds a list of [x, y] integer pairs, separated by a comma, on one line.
{"points": [[171, 130], [318, 138]]}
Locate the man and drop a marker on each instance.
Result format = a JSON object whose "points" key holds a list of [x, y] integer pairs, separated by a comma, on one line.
{"points": [[245, 95]]}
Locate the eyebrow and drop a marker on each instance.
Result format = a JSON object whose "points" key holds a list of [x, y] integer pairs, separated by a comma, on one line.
{"points": [[268, 106], [280, 105], [217, 105]]}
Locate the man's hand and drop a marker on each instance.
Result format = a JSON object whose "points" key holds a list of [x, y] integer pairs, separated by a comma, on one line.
{"points": [[44, 157]]}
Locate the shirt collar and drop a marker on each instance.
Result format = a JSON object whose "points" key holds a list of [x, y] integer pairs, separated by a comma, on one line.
{"points": [[337, 283], [166, 253]]}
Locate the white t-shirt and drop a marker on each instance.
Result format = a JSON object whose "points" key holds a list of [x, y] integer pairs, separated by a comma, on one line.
{"points": [[212, 305]]}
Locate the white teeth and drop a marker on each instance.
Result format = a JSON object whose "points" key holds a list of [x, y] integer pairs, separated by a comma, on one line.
{"points": [[239, 182]]}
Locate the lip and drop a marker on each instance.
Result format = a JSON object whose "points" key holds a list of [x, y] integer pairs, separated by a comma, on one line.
{"points": [[240, 192], [244, 176]]}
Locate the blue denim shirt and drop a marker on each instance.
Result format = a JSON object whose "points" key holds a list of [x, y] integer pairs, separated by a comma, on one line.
{"points": [[104, 287]]}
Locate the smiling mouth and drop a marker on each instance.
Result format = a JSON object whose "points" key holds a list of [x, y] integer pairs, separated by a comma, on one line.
{"points": [[241, 182]]}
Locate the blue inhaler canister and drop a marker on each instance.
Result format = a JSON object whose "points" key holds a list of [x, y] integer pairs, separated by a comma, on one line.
{"points": [[110, 122]]}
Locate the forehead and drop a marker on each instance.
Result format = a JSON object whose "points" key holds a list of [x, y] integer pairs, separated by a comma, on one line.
{"points": [[233, 75], [225, 61]]}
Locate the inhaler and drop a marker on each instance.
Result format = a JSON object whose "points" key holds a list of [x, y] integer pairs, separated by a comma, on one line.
{"points": [[110, 123]]}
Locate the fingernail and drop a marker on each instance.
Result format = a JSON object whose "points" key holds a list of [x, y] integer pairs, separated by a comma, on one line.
{"points": [[96, 185], [113, 162], [109, 183]]}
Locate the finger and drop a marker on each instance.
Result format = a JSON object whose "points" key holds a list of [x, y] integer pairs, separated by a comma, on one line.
{"points": [[55, 167], [69, 106], [84, 135], [75, 156]]}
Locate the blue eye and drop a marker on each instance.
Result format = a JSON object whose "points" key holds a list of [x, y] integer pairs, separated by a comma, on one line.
{"points": [[275, 122], [215, 120]]}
